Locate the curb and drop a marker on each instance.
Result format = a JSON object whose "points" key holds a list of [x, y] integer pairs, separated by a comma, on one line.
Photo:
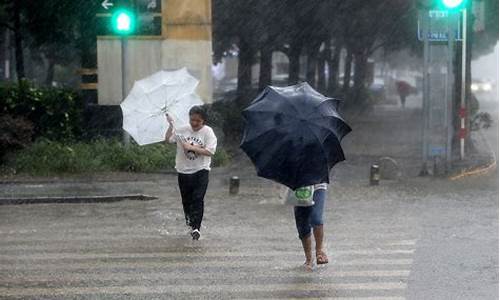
{"points": [[50, 180], [74, 199], [482, 169]]}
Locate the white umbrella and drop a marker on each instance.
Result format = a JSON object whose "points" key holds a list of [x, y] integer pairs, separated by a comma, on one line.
{"points": [[144, 109]]}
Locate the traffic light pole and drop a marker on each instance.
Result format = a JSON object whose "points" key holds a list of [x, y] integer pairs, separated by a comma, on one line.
{"points": [[462, 92], [124, 46], [449, 93], [425, 98]]}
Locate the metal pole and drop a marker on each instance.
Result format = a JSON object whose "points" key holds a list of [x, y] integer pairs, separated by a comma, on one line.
{"points": [[425, 92], [124, 42], [449, 89], [462, 96]]}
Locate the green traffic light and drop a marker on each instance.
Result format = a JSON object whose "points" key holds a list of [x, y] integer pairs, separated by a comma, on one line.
{"points": [[452, 3], [123, 21]]}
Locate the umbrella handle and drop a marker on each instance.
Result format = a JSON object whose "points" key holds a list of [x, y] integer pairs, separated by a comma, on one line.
{"points": [[170, 120]]}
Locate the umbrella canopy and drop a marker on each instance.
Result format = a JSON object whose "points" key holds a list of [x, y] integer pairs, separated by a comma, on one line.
{"points": [[144, 109], [292, 135]]}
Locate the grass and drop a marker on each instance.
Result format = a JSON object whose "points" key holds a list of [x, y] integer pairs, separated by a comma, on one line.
{"points": [[46, 157]]}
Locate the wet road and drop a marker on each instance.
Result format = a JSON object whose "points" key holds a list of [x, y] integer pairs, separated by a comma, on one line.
{"points": [[425, 240], [249, 249]]}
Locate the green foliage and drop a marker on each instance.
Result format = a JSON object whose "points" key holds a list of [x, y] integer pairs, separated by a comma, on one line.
{"points": [[15, 133], [221, 158], [56, 113], [47, 157]]}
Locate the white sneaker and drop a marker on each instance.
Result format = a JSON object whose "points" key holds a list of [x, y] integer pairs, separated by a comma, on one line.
{"points": [[195, 234]]}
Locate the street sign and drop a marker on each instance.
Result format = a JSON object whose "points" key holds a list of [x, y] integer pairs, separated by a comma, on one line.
{"points": [[148, 6], [438, 33], [438, 26], [106, 4], [437, 150]]}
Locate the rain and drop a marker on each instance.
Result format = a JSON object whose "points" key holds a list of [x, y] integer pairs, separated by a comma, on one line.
{"points": [[249, 149]]}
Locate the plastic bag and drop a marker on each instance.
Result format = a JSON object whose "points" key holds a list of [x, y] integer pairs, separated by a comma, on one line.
{"points": [[302, 196]]}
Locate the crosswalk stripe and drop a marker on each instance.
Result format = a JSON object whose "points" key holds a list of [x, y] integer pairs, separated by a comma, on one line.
{"points": [[338, 297], [230, 253], [5, 243], [70, 228], [213, 288], [99, 264], [12, 279], [188, 247], [97, 235]]}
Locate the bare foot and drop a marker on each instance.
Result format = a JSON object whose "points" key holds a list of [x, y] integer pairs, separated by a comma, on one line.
{"points": [[321, 257], [308, 265]]}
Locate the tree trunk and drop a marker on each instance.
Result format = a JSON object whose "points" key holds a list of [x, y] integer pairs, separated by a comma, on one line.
{"points": [[245, 61], [88, 54], [266, 60], [327, 63], [5, 57], [88, 57], [294, 63], [312, 61], [360, 68], [50, 71], [321, 70], [347, 71], [333, 70], [18, 42]]}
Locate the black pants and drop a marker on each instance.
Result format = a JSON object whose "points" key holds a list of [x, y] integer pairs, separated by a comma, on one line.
{"points": [[403, 100], [193, 188]]}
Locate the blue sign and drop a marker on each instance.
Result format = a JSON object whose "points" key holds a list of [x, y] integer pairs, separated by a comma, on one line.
{"points": [[438, 26], [437, 151]]}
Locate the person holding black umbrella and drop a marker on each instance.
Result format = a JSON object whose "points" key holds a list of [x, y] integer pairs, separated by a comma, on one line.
{"points": [[309, 218], [292, 135]]}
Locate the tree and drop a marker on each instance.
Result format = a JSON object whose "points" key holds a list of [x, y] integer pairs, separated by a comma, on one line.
{"points": [[13, 11], [370, 26], [234, 22], [256, 28], [58, 36], [55, 36], [318, 29]]}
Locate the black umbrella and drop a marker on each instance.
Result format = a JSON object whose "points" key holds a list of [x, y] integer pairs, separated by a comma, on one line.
{"points": [[292, 135]]}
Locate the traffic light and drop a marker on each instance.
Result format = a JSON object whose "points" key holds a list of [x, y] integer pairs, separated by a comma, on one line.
{"points": [[451, 4], [123, 21]]}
